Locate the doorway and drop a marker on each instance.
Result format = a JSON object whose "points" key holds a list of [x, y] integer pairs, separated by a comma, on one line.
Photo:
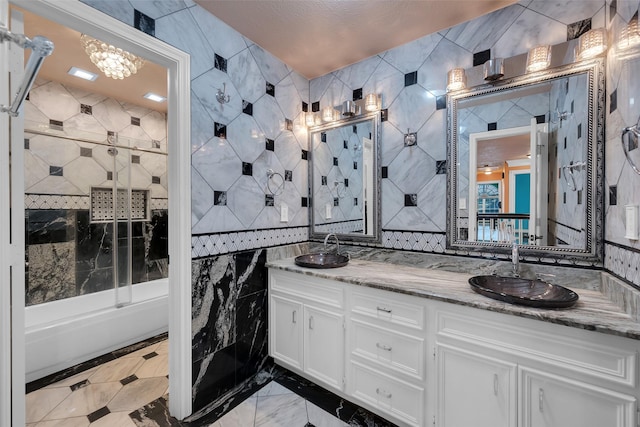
{"points": [[86, 19]]}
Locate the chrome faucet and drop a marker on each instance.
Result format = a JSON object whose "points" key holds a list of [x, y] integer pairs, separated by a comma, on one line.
{"points": [[515, 259], [326, 240]]}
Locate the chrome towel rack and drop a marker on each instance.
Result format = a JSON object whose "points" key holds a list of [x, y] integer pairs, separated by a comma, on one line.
{"points": [[41, 48], [634, 132]]}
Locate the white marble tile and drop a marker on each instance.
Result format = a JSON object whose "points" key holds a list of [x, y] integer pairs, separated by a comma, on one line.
{"points": [[245, 137], [269, 117], [272, 68], [110, 115], [54, 101], [84, 172], [54, 185], [302, 84], [301, 178], [386, 81], [246, 199], [412, 218], [201, 128], [85, 96], [217, 219], [569, 11], [157, 366], [246, 76], [138, 393], [155, 164], [411, 108], [189, 39], [288, 98], [321, 418], [430, 136], [335, 94], [201, 196], [411, 169], [318, 87], [119, 9], [114, 419], [67, 422], [85, 400], [40, 402], [273, 389], [218, 164], [157, 9], [35, 170], [85, 126], [205, 88], [242, 415], [282, 410], [355, 75], [393, 203], [54, 151], [432, 75], [409, 57], [224, 40], [116, 370], [288, 150], [154, 124], [433, 201]]}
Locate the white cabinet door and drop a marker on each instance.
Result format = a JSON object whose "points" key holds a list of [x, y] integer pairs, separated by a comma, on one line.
{"points": [[324, 345], [550, 401], [475, 390], [285, 330]]}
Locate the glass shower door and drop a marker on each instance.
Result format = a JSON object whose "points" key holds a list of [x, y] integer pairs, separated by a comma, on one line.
{"points": [[122, 227]]}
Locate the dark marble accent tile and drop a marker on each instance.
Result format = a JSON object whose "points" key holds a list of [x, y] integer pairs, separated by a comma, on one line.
{"points": [[411, 200], [305, 155], [579, 130], [323, 180], [270, 144], [144, 23], [304, 202], [109, 176], [385, 171], [128, 380], [140, 345], [632, 141], [247, 169], [49, 226], [56, 170], [220, 63], [96, 415], [542, 118], [613, 9], [79, 385], [150, 355], [355, 165], [288, 175], [26, 143], [345, 144], [269, 200], [155, 414], [213, 376], [155, 180], [155, 143], [251, 273], [441, 167], [251, 314], [220, 198], [220, 130], [613, 101], [357, 94], [335, 161], [305, 107], [346, 182], [564, 198], [135, 121], [411, 78], [492, 126], [384, 115], [247, 107], [86, 109], [315, 107], [288, 124], [579, 197], [480, 58], [323, 137], [56, 124], [86, 152], [355, 201], [613, 195], [270, 89], [336, 201], [577, 29], [157, 235], [135, 159], [573, 107], [441, 102]]}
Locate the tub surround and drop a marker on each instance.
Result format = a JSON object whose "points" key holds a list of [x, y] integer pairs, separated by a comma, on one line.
{"points": [[594, 311]]}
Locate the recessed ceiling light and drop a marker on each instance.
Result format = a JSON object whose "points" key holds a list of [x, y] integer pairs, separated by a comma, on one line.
{"points": [[83, 74], [155, 97]]}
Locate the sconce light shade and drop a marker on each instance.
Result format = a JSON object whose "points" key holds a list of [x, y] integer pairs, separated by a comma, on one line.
{"points": [[539, 58], [348, 108], [328, 114], [456, 79], [592, 43], [372, 102], [629, 36], [310, 119]]}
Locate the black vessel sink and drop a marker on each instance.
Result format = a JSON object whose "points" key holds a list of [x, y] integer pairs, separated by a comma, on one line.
{"points": [[515, 290], [322, 260]]}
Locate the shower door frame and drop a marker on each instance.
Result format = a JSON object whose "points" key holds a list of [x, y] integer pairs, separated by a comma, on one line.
{"points": [[84, 18]]}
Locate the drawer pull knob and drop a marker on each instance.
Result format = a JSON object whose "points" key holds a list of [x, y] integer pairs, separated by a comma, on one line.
{"points": [[386, 310], [540, 399], [383, 393], [310, 322], [495, 384], [383, 347], [293, 316]]}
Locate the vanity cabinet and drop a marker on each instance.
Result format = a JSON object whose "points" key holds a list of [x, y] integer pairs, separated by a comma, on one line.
{"points": [[306, 326]]}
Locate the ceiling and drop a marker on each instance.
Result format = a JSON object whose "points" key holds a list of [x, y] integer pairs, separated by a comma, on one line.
{"points": [[69, 52], [318, 37]]}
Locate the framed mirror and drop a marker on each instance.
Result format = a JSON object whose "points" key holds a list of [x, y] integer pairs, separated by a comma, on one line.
{"points": [[344, 181], [525, 158]]}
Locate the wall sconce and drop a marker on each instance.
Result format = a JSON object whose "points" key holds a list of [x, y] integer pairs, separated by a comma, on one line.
{"points": [[539, 58], [493, 69], [328, 114], [629, 36], [221, 95], [350, 109], [372, 102], [309, 119], [591, 44], [456, 79]]}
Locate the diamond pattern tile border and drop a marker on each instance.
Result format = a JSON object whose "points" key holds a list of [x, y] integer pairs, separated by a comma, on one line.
{"points": [[204, 245]]}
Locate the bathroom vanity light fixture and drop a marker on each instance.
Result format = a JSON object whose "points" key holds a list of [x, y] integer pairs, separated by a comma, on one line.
{"points": [[493, 69], [328, 114], [309, 119], [456, 79], [112, 61], [629, 36], [82, 74], [591, 44], [539, 58], [372, 102]]}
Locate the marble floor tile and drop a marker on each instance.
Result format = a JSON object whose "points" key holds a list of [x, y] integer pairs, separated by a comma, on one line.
{"points": [[85, 400], [281, 411], [114, 419], [273, 389], [116, 370], [75, 379], [67, 422], [163, 347], [321, 418], [41, 402], [157, 366], [138, 393], [242, 415]]}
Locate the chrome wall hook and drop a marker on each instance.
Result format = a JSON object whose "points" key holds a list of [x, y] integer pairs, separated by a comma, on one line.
{"points": [[221, 95]]}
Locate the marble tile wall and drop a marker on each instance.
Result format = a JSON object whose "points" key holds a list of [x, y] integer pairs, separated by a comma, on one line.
{"points": [[622, 255]]}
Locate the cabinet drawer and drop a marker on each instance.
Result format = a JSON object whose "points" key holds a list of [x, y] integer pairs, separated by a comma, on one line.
{"points": [[390, 308], [395, 350], [396, 398], [307, 287]]}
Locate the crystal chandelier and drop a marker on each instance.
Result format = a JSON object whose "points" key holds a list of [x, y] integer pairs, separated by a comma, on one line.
{"points": [[112, 61]]}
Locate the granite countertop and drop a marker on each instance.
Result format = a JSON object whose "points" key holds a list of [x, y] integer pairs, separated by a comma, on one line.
{"points": [[593, 311]]}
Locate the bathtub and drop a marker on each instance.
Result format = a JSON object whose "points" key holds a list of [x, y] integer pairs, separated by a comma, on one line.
{"points": [[63, 333]]}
